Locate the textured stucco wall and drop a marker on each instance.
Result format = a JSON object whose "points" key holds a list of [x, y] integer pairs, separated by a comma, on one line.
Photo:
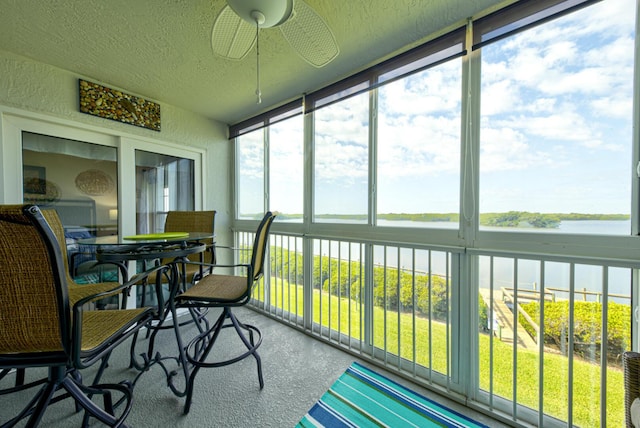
{"points": [[37, 87]]}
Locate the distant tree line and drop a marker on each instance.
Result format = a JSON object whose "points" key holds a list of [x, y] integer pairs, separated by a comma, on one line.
{"points": [[505, 219], [521, 219]]}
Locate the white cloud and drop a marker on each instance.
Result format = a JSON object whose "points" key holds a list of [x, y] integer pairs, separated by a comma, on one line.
{"points": [[251, 155], [506, 149], [564, 125], [557, 84], [418, 146], [500, 97], [340, 160], [598, 18], [620, 107], [614, 54], [345, 121], [590, 81], [431, 91]]}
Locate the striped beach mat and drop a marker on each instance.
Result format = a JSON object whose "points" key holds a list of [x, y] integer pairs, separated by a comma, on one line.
{"points": [[364, 398]]}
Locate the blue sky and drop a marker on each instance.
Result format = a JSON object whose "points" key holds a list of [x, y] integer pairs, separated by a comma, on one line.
{"points": [[556, 115]]}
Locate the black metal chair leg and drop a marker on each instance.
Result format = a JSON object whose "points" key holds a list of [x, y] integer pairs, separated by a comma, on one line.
{"points": [[46, 394], [27, 410], [20, 377], [106, 416], [248, 343], [200, 356]]}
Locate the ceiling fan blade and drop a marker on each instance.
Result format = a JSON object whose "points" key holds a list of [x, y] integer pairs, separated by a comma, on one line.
{"points": [[309, 35], [231, 36]]}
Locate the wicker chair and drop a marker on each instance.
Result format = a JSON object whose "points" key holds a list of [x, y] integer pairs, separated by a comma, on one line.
{"points": [[42, 328], [225, 291], [76, 291], [631, 364], [189, 221], [194, 221]]}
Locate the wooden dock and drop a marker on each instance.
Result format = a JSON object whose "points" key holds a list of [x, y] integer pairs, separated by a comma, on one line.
{"points": [[503, 323]]}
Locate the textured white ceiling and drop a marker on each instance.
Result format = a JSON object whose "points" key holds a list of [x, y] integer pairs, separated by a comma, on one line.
{"points": [[161, 49]]}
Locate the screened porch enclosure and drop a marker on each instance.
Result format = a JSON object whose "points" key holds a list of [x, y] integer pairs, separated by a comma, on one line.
{"points": [[466, 212]]}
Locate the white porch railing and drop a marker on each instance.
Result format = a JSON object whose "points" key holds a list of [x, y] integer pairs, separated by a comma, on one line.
{"points": [[437, 316]]}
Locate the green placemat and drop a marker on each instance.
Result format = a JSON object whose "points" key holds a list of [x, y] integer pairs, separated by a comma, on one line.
{"points": [[165, 235]]}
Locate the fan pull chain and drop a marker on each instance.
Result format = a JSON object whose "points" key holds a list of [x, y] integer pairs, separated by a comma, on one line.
{"points": [[258, 92]]}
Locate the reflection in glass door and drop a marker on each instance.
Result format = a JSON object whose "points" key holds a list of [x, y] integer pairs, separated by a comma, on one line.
{"points": [[79, 181], [163, 183]]}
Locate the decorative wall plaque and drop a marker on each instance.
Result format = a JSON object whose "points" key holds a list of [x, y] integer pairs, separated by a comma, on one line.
{"points": [[94, 182], [114, 104], [47, 193]]}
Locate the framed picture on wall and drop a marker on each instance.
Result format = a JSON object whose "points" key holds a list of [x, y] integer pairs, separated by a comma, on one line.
{"points": [[34, 179]]}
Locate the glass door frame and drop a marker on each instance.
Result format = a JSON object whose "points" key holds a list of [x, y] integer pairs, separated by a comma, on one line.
{"points": [[12, 125]]}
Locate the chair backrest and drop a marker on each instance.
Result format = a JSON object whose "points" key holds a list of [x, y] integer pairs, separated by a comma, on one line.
{"points": [[53, 219], [34, 304], [260, 243], [193, 221]]}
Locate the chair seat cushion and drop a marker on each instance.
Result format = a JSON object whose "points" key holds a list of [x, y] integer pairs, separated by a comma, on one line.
{"points": [[225, 288], [98, 327]]}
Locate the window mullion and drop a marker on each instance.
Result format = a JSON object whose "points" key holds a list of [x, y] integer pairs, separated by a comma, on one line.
{"points": [[267, 171], [470, 146], [373, 156]]}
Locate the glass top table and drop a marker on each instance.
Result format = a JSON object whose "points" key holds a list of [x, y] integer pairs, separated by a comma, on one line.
{"points": [[123, 250], [155, 238], [117, 248]]}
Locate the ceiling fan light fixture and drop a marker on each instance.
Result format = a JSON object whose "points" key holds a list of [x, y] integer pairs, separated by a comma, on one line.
{"points": [[237, 28], [273, 12], [258, 17]]}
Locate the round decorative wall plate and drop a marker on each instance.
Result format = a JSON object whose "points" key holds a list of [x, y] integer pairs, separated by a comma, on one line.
{"points": [[94, 182]]}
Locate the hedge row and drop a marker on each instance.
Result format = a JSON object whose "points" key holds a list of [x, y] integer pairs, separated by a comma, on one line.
{"points": [[587, 326], [427, 296]]}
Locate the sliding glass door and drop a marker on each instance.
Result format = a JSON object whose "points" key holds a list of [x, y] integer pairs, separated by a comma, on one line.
{"points": [[163, 183], [80, 181]]}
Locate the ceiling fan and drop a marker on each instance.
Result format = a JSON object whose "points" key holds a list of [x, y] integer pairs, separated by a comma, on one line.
{"points": [[237, 29]]}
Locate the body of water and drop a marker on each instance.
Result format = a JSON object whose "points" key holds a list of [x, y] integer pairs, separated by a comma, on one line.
{"points": [[597, 227], [591, 227]]}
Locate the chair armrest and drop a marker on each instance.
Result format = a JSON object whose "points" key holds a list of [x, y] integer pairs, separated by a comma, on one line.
{"points": [[136, 279], [73, 265], [232, 248], [214, 265]]}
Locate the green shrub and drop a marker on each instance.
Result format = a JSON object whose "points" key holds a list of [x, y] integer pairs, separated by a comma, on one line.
{"points": [[392, 288], [587, 331], [483, 314], [287, 264]]}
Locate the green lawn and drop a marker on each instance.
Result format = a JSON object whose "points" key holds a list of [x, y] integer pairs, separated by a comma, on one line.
{"points": [[339, 314]]}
